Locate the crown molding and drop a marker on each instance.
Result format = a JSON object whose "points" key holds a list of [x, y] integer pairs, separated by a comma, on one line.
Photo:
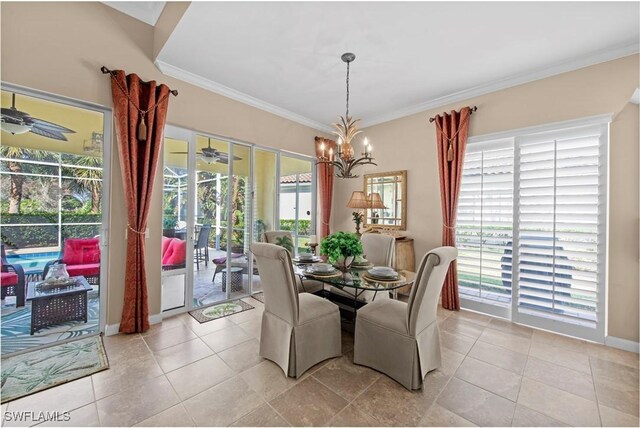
{"points": [[223, 90], [563, 67]]}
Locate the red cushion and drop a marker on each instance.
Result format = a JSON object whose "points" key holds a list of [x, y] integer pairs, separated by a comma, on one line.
{"points": [[8, 278], [176, 253], [88, 269], [81, 251], [165, 244]]}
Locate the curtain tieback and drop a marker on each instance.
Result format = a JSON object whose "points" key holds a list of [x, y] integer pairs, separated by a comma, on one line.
{"points": [[449, 227], [136, 231]]}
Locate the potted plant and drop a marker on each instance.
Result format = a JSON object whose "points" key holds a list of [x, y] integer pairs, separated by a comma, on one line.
{"points": [[169, 223], [341, 248]]}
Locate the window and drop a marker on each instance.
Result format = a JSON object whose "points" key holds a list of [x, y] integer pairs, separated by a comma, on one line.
{"points": [[531, 228]]}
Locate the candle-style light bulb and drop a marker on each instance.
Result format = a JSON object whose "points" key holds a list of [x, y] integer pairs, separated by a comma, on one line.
{"points": [[331, 154], [322, 149], [365, 142]]}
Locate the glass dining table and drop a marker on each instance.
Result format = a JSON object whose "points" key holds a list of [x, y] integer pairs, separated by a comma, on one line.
{"points": [[355, 282]]}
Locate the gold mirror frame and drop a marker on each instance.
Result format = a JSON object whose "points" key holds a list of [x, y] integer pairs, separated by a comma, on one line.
{"points": [[400, 177]]}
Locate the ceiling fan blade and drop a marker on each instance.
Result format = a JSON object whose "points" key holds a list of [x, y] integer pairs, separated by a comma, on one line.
{"points": [[48, 133], [43, 124]]}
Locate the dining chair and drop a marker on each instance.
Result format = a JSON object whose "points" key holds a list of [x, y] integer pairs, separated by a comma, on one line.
{"points": [[379, 250], [299, 330], [401, 339], [284, 239]]}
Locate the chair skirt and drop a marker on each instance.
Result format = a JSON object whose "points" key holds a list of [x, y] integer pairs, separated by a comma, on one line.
{"points": [[297, 349], [404, 358]]}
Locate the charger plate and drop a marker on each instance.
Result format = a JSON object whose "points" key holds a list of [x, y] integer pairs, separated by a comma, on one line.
{"points": [[370, 278]]}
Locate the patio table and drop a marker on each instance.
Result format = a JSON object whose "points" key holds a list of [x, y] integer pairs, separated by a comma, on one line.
{"points": [[50, 306]]}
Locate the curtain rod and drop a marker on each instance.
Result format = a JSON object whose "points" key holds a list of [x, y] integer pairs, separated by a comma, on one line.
{"points": [[472, 109], [105, 70]]}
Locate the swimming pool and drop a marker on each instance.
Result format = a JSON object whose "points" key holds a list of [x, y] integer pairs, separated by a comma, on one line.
{"points": [[33, 262]]}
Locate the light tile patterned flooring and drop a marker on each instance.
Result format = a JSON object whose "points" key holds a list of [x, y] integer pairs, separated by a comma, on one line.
{"points": [[182, 373]]}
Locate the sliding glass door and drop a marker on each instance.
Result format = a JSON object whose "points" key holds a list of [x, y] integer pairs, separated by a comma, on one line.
{"points": [[54, 209], [297, 199], [531, 229], [219, 197]]}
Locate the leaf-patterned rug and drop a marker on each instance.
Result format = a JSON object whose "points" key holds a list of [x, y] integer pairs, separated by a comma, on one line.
{"points": [[259, 296], [34, 371], [218, 311]]}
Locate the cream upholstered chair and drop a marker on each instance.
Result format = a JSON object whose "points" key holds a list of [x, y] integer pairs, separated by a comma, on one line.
{"points": [[379, 250], [401, 339], [298, 329], [284, 239]]}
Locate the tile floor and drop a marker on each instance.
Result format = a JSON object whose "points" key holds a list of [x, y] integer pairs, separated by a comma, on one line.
{"points": [[182, 373]]}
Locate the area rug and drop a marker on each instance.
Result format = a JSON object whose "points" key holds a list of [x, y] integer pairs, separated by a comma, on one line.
{"points": [[218, 311], [15, 328], [259, 296], [34, 371]]}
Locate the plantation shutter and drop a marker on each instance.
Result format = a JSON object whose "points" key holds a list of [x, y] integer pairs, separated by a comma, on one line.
{"points": [[532, 219], [561, 225], [484, 226]]}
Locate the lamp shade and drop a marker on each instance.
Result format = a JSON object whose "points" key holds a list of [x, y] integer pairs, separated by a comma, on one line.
{"points": [[358, 200], [376, 201]]}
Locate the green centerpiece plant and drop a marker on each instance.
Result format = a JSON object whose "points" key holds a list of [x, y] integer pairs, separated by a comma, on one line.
{"points": [[341, 248]]}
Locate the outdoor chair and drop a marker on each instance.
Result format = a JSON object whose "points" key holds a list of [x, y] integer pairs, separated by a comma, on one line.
{"points": [[12, 280], [202, 246], [82, 257]]}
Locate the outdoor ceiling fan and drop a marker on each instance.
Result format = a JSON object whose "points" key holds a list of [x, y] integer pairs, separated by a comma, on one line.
{"points": [[211, 155], [18, 122]]}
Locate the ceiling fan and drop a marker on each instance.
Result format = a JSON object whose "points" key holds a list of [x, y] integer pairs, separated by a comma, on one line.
{"points": [[18, 122], [210, 155]]}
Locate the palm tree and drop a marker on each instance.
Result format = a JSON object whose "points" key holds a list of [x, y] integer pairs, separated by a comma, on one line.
{"points": [[89, 179], [17, 179]]}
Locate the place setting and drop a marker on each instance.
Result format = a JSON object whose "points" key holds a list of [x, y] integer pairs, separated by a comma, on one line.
{"points": [[382, 274], [322, 270], [361, 263], [306, 258]]}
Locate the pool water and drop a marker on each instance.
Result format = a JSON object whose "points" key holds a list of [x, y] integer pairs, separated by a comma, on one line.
{"points": [[33, 262]]}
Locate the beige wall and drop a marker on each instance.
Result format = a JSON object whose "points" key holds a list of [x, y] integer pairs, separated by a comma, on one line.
{"points": [[59, 48], [409, 143]]}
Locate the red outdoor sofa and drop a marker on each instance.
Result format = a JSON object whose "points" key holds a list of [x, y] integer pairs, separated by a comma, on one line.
{"points": [[12, 280], [174, 253], [82, 257]]}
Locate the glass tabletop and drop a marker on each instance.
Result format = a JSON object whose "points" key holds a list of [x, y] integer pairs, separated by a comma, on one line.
{"points": [[37, 289], [357, 278]]}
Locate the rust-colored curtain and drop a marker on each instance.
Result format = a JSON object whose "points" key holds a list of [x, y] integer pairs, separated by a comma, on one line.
{"points": [[138, 161], [451, 134], [325, 184]]}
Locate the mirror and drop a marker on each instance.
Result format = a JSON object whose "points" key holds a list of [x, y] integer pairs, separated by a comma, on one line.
{"points": [[392, 188]]}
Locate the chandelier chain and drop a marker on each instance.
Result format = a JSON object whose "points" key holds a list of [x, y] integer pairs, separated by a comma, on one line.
{"points": [[348, 64]]}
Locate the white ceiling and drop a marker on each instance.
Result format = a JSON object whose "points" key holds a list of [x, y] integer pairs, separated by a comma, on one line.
{"points": [[145, 11], [284, 57]]}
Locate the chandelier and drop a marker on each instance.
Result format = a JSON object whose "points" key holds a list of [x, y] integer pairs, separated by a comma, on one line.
{"points": [[344, 160]]}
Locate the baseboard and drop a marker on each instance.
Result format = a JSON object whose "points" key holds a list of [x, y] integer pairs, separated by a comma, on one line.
{"points": [[113, 329], [624, 344]]}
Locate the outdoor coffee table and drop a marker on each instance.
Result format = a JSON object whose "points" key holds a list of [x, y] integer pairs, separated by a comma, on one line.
{"points": [[50, 306]]}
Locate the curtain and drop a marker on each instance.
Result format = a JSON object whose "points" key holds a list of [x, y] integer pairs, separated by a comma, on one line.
{"points": [[451, 137], [325, 183], [138, 162]]}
